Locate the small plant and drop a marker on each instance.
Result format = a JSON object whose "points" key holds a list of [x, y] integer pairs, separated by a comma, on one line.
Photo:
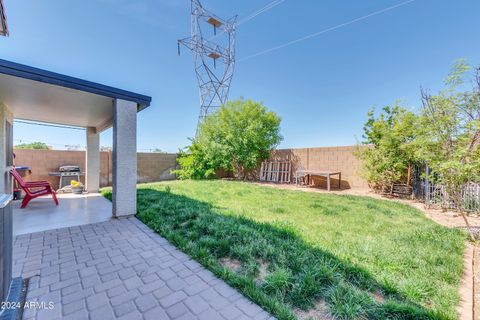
{"points": [[250, 268], [347, 303], [278, 282]]}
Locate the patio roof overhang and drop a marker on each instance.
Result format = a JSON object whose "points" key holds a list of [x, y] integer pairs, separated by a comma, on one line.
{"points": [[40, 95]]}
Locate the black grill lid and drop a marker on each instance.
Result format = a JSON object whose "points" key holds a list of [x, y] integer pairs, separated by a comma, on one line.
{"points": [[69, 169]]}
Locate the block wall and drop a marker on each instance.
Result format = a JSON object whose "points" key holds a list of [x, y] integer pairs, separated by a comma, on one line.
{"points": [[150, 166], [341, 159]]}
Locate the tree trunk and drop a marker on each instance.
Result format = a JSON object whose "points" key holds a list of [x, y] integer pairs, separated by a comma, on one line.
{"points": [[469, 228], [464, 216]]}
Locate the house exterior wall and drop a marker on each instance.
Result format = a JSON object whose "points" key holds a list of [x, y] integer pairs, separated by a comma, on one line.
{"points": [[6, 159]]}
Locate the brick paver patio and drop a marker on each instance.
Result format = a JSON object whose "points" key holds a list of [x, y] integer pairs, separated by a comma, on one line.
{"points": [[120, 269]]}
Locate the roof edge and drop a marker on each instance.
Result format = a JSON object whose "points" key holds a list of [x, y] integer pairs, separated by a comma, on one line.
{"points": [[36, 74]]}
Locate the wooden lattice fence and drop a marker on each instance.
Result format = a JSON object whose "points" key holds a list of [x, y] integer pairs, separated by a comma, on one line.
{"points": [[276, 171]]}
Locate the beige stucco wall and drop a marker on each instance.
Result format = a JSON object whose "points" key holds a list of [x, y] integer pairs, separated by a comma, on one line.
{"points": [[150, 166]]}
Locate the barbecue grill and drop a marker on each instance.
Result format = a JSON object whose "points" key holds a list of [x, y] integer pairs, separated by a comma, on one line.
{"points": [[67, 173], [69, 169]]}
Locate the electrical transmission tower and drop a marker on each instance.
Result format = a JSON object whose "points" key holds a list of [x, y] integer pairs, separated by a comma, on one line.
{"points": [[214, 58], [3, 20]]}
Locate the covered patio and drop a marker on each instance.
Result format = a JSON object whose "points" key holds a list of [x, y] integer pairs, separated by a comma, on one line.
{"points": [[73, 210], [33, 94]]}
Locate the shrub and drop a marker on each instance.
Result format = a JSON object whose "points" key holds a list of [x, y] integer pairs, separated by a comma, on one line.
{"points": [[193, 165], [390, 152], [236, 138]]}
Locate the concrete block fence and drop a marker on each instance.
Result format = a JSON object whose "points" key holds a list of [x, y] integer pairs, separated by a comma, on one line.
{"points": [[150, 166], [153, 167], [341, 159]]}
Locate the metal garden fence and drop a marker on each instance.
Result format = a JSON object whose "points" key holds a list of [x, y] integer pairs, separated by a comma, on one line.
{"points": [[435, 194]]}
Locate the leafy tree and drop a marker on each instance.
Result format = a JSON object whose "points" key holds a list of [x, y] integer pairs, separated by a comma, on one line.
{"points": [[33, 145], [236, 138], [449, 132], [389, 153]]}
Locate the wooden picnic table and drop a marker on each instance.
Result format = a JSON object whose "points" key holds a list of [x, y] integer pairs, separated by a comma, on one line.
{"points": [[321, 173]]}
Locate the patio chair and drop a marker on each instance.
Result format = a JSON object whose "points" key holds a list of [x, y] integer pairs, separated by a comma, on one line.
{"points": [[33, 189]]}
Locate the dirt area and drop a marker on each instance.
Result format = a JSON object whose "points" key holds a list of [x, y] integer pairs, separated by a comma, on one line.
{"points": [[469, 307], [319, 312], [378, 296], [232, 264], [235, 265], [262, 272]]}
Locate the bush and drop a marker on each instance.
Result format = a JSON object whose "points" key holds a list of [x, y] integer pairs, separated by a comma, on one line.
{"points": [[236, 138], [33, 145], [193, 165], [390, 152]]}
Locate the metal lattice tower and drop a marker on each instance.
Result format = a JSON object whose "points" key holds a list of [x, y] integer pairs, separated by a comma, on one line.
{"points": [[214, 58], [3, 20]]}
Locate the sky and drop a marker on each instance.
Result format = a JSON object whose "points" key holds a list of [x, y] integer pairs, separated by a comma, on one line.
{"points": [[321, 87]]}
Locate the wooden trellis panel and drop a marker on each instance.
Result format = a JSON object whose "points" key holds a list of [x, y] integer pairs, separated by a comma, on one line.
{"points": [[276, 171]]}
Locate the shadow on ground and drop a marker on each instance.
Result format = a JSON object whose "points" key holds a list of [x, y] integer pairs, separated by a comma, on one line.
{"points": [[271, 264]]}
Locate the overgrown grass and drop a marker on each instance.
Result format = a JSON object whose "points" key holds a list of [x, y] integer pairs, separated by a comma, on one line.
{"points": [[364, 258]]}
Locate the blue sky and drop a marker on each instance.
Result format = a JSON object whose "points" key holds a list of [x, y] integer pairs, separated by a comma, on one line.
{"points": [[322, 87]]}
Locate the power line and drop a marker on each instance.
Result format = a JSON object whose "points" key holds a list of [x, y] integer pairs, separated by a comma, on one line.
{"points": [[325, 30], [254, 14], [269, 6]]}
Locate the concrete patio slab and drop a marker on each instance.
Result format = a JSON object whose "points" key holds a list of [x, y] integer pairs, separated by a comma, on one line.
{"points": [[120, 269], [41, 214]]}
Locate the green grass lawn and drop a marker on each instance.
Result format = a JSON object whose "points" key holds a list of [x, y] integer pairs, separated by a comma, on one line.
{"points": [[359, 258]]}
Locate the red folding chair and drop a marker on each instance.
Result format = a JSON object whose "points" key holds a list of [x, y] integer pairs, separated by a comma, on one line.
{"points": [[33, 189]]}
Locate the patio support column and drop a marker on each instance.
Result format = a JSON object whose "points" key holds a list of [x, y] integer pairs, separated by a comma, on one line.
{"points": [[124, 193], [6, 145], [92, 160]]}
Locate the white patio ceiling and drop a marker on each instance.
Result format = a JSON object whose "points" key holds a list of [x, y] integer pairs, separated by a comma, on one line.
{"points": [[40, 95], [38, 101]]}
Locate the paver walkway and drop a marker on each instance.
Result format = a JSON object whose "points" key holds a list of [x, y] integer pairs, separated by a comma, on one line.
{"points": [[120, 269]]}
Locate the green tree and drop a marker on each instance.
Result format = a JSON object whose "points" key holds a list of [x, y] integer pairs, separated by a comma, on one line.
{"points": [[33, 145], [449, 132], [236, 138], [389, 153]]}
